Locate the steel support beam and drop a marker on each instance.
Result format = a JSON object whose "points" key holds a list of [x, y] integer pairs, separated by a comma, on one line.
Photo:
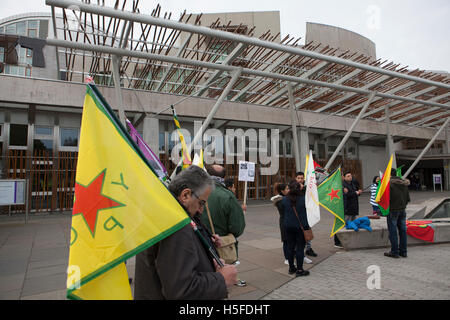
{"points": [[211, 114], [233, 55], [349, 132], [350, 95], [306, 75], [428, 146], [389, 142], [209, 65], [118, 90], [294, 127], [148, 19]]}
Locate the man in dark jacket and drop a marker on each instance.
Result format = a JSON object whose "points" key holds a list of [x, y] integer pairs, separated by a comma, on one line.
{"points": [[396, 220], [179, 266], [351, 191]]}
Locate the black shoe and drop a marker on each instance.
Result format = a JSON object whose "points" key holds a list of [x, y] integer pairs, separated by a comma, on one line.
{"points": [[292, 270], [302, 273], [391, 255], [311, 253], [404, 255]]}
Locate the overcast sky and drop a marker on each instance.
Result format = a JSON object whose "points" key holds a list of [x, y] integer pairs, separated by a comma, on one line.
{"points": [[414, 33]]}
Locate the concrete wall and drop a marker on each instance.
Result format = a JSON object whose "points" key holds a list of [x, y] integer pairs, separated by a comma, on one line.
{"points": [[339, 38], [373, 161], [66, 94]]}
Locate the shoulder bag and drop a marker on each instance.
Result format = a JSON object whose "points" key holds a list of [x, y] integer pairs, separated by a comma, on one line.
{"points": [[227, 251], [307, 233]]}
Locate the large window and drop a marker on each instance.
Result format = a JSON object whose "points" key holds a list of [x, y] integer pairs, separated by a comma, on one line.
{"points": [[43, 140], [29, 28], [18, 135], [69, 137]]}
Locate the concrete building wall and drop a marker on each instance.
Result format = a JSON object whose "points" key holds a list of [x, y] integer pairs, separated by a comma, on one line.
{"points": [[339, 38], [373, 160]]}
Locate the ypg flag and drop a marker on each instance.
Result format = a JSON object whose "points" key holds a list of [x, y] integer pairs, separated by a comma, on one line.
{"points": [[120, 208], [331, 198], [383, 192]]}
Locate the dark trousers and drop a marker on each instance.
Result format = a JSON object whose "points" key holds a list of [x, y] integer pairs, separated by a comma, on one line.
{"points": [[396, 222], [295, 247]]}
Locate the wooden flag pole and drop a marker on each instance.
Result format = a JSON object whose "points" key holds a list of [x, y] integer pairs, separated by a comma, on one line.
{"points": [[245, 196]]}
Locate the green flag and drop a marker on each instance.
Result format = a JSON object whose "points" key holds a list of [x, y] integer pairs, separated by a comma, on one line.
{"points": [[399, 171], [331, 198]]}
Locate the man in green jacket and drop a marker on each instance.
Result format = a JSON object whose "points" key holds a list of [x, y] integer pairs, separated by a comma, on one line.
{"points": [[226, 213]]}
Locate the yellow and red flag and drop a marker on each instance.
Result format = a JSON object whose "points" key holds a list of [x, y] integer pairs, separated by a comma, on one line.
{"points": [[120, 209], [184, 149], [383, 190]]}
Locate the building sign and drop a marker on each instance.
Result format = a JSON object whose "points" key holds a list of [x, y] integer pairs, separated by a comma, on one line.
{"points": [[12, 192]]}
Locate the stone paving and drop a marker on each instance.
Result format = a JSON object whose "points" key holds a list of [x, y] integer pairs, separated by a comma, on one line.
{"points": [[425, 274], [34, 257]]}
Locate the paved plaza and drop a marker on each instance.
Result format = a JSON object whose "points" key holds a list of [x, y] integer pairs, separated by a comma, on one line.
{"points": [[34, 256]]}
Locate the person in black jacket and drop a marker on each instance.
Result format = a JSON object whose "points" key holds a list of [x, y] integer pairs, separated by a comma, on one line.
{"points": [[396, 220], [351, 191], [281, 190], [294, 219]]}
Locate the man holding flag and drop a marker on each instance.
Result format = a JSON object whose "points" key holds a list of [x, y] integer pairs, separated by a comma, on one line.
{"points": [[180, 267], [396, 218]]}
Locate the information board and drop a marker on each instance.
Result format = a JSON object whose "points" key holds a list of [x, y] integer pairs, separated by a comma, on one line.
{"points": [[12, 192]]}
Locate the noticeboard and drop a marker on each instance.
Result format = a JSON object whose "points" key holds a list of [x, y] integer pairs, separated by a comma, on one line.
{"points": [[12, 192]]}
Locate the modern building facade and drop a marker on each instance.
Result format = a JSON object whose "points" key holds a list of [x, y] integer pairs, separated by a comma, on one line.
{"points": [[40, 107]]}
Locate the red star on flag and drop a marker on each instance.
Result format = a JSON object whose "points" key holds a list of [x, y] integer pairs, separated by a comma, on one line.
{"points": [[333, 194], [89, 201]]}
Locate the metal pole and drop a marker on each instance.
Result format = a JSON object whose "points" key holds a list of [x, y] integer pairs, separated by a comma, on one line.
{"points": [[389, 142], [230, 68], [426, 148], [58, 77], [349, 132], [294, 127], [212, 113], [27, 199], [147, 19], [116, 75]]}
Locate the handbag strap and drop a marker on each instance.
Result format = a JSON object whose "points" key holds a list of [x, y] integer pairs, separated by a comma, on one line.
{"points": [[296, 214]]}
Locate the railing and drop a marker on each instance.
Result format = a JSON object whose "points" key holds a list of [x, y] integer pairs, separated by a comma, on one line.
{"points": [[52, 178]]}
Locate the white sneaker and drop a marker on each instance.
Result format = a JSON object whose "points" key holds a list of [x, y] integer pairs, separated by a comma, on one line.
{"points": [[306, 260], [286, 262]]}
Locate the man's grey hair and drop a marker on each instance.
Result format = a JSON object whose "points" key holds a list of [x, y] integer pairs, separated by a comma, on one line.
{"points": [[194, 178]]}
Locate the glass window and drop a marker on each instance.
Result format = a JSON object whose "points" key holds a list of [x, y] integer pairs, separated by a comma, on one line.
{"points": [[28, 72], [32, 33], [2, 29], [2, 54], [21, 28], [32, 24], [11, 29], [48, 131], [43, 145], [69, 137], [1, 129], [18, 134], [162, 141]]}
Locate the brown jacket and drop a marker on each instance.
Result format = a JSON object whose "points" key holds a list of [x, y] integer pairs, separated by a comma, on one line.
{"points": [[177, 268]]}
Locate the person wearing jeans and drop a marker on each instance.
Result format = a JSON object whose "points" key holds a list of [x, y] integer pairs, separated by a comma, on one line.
{"points": [[396, 220]]}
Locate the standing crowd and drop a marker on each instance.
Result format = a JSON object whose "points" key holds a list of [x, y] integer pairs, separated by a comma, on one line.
{"points": [[199, 261]]}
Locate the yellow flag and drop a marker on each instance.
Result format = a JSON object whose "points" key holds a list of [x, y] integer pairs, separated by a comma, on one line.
{"points": [[121, 207]]}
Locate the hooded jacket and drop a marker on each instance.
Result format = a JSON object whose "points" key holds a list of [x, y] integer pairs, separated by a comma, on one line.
{"points": [[276, 200], [399, 194]]}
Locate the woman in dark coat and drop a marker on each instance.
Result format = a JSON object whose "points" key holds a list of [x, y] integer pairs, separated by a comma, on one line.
{"points": [[294, 218], [281, 189]]}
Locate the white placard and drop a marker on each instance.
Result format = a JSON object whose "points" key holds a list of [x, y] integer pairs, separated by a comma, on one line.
{"points": [[12, 192], [246, 171]]}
